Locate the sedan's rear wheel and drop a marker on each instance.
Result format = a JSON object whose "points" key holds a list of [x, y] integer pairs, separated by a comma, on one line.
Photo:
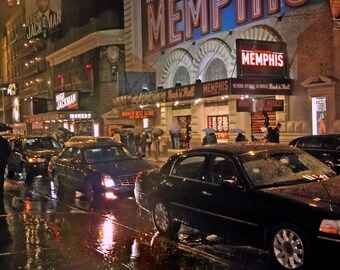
{"points": [[9, 173], [26, 176], [92, 196], [163, 220], [290, 247]]}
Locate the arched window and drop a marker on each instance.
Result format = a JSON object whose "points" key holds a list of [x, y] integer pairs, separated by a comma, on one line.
{"points": [[181, 76], [216, 70]]}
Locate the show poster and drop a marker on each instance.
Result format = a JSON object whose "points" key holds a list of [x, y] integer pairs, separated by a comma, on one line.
{"points": [[43, 17]]}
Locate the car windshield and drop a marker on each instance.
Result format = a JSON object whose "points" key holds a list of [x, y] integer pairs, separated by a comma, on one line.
{"points": [[108, 154], [40, 143], [284, 168]]}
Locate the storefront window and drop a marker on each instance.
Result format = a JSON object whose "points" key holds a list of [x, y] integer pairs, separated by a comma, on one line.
{"points": [[181, 76], [216, 70]]}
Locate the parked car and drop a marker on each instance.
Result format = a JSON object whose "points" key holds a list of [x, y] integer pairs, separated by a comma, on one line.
{"points": [[30, 155], [279, 194], [100, 170], [325, 147], [80, 139]]}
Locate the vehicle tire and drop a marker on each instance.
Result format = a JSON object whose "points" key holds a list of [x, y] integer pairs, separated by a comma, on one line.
{"points": [[26, 176], [163, 220], [289, 247], [92, 196], [58, 188], [9, 173]]}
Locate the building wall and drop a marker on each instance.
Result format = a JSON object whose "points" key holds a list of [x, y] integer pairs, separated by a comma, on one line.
{"points": [[308, 33]]}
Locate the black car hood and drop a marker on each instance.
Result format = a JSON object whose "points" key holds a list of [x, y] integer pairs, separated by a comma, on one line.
{"points": [[324, 193], [42, 152], [124, 167]]}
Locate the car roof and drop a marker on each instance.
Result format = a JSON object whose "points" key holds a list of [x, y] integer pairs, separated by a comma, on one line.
{"points": [[328, 135], [91, 144], [239, 148]]}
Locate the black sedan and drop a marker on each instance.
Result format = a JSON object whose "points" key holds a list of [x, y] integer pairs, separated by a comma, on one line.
{"points": [[277, 194], [100, 170], [325, 147], [30, 155]]}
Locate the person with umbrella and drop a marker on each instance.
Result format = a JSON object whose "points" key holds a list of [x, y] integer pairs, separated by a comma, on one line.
{"points": [[240, 137], [210, 136], [5, 150]]}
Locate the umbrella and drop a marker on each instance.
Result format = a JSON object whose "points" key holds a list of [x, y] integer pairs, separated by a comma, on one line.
{"points": [[128, 126], [209, 130], [5, 127], [175, 127], [236, 130]]}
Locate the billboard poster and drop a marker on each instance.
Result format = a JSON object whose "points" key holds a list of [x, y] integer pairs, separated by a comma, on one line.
{"points": [[43, 17]]}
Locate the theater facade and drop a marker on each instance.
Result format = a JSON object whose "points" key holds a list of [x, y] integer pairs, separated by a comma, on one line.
{"points": [[231, 64]]}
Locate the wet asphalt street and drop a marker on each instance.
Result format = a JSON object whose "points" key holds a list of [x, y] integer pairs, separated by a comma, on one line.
{"points": [[38, 230]]}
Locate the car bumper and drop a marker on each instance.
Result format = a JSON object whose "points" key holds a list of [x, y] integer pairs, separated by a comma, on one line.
{"points": [[37, 168], [112, 194]]}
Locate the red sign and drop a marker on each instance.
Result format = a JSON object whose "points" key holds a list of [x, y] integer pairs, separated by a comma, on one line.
{"points": [[138, 114]]}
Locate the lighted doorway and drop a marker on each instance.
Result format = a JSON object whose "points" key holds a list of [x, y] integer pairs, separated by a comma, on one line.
{"points": [[319, 116]]}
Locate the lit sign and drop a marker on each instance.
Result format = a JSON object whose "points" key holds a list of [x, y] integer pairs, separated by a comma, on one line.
{"points": [[81, 116], [138, 114], [168, 22], [66, 101], [261, 86], [259, 105], [261, 59]]}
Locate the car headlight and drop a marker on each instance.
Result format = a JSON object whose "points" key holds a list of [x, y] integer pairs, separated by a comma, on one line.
{"points": [[107, 181], [330, 226], [36, 160]]}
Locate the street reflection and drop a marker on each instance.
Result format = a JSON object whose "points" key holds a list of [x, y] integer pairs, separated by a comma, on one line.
{"points": [[105, 239]]}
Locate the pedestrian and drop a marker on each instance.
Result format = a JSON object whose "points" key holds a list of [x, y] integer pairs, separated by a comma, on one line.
{"points": [[188, 134], [5, 151], [208, 139], [148, 141], [240, 137], [213, 136], [175, 135], [274, 134], [137, 141], [143, 142]]}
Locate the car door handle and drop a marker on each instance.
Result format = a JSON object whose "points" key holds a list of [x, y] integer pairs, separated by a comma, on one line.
{"points": [[205, 193]]}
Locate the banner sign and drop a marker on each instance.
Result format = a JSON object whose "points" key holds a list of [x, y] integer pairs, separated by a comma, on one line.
{"points": [[261, 86], [138, 114], [215, 88], [259, 105], [66, 100]]}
